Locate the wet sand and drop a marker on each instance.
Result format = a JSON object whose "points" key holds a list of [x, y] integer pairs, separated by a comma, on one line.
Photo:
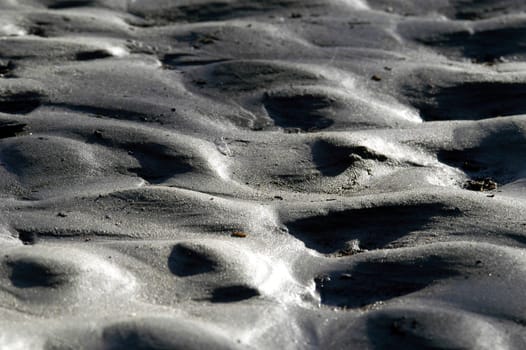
{"points": [[282, 174]]}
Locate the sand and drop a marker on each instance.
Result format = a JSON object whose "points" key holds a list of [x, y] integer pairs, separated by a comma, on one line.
{"points": [[282, 174]]}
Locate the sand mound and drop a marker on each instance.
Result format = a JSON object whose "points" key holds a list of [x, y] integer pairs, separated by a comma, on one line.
{"points": [[262, 174]]}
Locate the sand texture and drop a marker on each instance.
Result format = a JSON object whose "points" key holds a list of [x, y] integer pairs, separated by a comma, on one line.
{"points": [[279, 174]]}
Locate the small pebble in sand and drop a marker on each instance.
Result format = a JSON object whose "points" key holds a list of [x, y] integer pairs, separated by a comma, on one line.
{"points": [[239, 234], [376, 78]]}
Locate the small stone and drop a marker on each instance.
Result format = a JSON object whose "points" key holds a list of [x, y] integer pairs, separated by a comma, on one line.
{"points": [[376, 78], [239, 234]]}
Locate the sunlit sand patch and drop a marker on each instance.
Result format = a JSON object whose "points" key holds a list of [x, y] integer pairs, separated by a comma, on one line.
{"points": [[10, 341], [117, 51], [393, 109], [398, 151], [242, 173], [219, 160], [357, 4], [11, 29], [447, 179], [113, 47]]}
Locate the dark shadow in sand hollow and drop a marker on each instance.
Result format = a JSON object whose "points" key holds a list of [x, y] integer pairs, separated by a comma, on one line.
{"points": [[499, 156], [481, 46], [245, 76], [20, 102], [64, 4], [232, 294], [11, 128], [467, 101], [174, 60], [480, 9], [185, 261], [158, 162], [372, 281], [382, 279], [307, 112], [92, 55], [32, 273], [373, 227]]}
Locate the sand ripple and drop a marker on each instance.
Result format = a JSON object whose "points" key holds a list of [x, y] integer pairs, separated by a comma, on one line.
{"points": [[286, 174]]}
